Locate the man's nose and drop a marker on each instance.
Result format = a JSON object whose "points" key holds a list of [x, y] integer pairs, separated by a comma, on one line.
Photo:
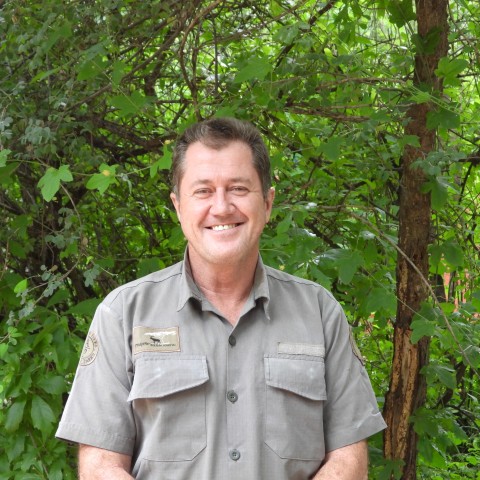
{"points": [[221, 203]]}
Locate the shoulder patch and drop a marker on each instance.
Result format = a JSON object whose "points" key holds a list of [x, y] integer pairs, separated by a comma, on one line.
{"points": [[90, 350]]}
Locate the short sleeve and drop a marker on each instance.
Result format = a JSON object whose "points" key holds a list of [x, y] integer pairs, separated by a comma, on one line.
{"points": [[97, 412], [351, 412]]}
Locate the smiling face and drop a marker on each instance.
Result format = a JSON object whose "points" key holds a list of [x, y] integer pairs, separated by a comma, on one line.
{"points": [[220, 205]]}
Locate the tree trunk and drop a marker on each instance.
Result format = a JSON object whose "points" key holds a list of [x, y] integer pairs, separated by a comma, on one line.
{"points": [[407, 389]]}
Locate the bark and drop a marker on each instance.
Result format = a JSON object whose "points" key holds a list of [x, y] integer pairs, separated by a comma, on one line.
{"points": [[407, 389]]}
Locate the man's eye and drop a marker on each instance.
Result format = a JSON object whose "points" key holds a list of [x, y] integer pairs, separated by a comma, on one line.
{"points": [[239, 190], [202, 193]]}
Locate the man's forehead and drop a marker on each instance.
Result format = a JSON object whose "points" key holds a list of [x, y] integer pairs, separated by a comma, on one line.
{"points": [[235, 155], [213, 146], [233, 162]]}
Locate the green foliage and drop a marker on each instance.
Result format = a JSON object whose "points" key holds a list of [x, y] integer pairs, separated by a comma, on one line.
{"points": [[50, 183], [93, 94]]}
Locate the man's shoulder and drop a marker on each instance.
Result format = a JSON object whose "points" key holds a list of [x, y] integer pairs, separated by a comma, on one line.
{"points": [[295, 284], [157, 278], [282, 276]]}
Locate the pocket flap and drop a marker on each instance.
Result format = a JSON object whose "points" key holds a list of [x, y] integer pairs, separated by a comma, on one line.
{"points": [[303, 377], [158, 376]]}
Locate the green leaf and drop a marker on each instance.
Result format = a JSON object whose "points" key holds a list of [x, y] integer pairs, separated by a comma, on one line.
{"points": [[409, 140], [287, 34], [118, 72], [401, 12], [60, 296], [91, 274], [62, 31], [4, 156], [15, 447], [6, 173], [332, 148], [347, 262], [24, 383], [54, 385], [442, 118], [50, 182], [14, 416], [21, 286], [101, 181], [450, 252], [85, 308], [427, 44], [42, 415], [129, 105], [424, 322], [449, 69], [446, 375], [380, 299], [421, 328], [425, 423], [421, 97], [149, 265], [91, 68], [453, 254], [256, 68], [163, 163], [43, 75], [438, 188], [285, 224]]}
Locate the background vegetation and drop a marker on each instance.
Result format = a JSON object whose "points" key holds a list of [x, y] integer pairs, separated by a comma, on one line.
{"points": [[92, 95]]}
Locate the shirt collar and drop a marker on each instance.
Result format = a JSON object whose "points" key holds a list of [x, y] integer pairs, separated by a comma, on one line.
{"points": [[260, 286], [188, 289]]}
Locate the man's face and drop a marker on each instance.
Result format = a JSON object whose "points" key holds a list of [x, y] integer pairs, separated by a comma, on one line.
{"points": [[220, 204]]}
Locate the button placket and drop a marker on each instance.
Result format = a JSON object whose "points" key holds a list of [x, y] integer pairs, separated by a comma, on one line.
{"points": [[233, 408]]}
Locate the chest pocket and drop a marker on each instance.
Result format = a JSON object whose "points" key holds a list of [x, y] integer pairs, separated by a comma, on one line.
{"points": [[295, 393], [168, 401]]}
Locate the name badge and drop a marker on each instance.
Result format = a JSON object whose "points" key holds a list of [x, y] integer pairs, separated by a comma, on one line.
{"points": [[301, 349], [151, 339]]}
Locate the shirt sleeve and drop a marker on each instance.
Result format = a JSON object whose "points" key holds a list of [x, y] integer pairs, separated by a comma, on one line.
{"points": [[97, 412], [351, 412]]}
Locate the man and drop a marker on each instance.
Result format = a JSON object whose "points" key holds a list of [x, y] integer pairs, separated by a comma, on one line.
{"points": [[220, 367]]}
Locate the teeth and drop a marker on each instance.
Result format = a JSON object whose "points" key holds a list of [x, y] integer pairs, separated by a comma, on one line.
{"points": [[223, 227]]}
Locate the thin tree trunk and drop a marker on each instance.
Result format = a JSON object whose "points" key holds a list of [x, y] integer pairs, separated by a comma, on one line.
{"points": [[407, 389]]}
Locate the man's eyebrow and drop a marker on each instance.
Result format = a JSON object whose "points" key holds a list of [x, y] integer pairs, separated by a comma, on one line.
{"points": [[241, 180], [207, 181]]}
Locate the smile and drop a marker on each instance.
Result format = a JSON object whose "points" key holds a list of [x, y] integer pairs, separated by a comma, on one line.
{"points": [[218, 228]]}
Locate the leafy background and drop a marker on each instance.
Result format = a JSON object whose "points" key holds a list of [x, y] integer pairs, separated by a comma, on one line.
{"points": [[94, 93]]}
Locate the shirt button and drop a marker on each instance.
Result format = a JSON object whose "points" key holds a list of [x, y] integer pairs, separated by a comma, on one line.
{"points": [[232, 396], [232, 340], [234, 454]]}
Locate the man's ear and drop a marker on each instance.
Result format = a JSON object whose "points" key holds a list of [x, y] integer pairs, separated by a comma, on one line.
{"points": [[269, 203], [176, 204]]}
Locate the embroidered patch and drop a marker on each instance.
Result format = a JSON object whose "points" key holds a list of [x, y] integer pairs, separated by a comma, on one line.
{"points": [[90, 350], [356, 350], [302, 349], [151, 339]]}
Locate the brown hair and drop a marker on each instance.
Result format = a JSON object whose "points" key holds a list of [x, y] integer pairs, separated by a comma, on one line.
{"points": [[217, 133]]}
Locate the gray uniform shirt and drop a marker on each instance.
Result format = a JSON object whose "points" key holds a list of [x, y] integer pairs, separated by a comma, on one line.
{"points": [[164, 378]]}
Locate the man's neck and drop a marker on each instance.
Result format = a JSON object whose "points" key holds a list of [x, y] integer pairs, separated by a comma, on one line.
{"points": [[226, 286]]}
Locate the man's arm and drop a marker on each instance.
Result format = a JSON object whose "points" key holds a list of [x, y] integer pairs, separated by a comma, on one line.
{"points": [[99, 464], [346, 463]]}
